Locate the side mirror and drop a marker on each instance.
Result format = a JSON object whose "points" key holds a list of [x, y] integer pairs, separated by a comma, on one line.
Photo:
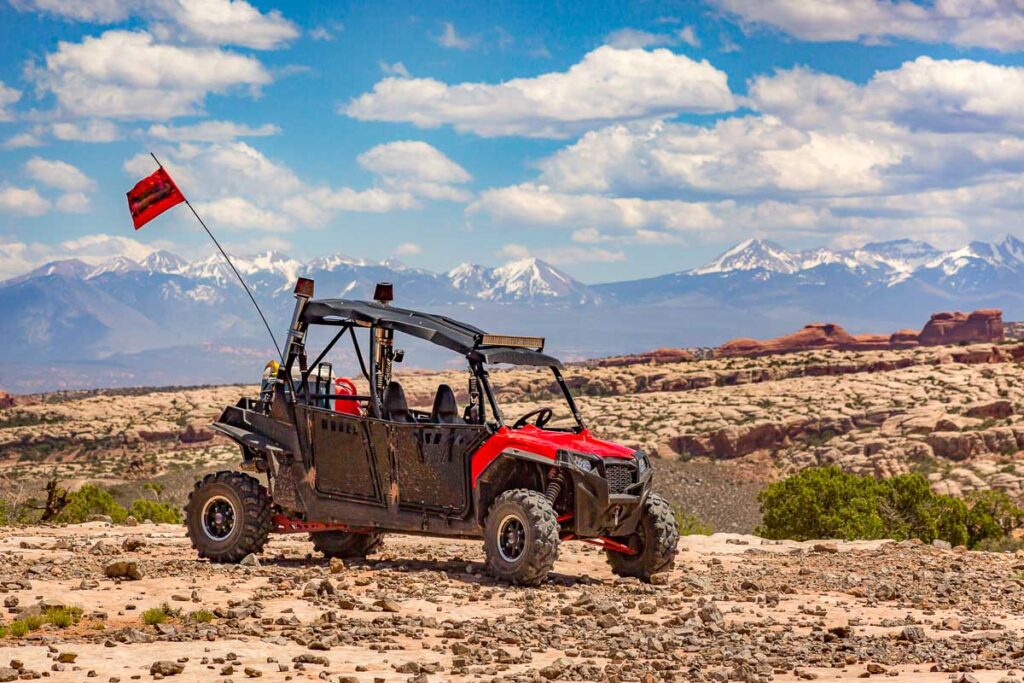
{"points": [[399, 355]]}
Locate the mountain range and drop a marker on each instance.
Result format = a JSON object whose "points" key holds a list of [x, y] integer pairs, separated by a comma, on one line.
{"points": [[166, 320]]}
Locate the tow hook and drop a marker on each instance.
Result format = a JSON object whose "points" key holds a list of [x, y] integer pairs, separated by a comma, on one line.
{"points": [[616, 511]]}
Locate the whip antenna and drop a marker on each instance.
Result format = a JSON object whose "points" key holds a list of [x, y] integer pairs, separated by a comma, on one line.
{"points": [[233, 269]]}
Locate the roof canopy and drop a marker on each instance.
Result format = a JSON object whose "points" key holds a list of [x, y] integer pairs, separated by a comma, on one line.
{"points": [[437, 329]]}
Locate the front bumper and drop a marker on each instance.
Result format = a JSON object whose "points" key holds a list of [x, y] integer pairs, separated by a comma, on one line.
{"points": [[599, 511]]}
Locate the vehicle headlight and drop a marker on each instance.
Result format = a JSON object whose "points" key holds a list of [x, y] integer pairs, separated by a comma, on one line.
{"points": [[582, 463]]}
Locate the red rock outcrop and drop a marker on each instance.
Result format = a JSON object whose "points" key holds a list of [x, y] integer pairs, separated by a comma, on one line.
{"points": [[6, 400], [985, 325], [655, 357], [943, 328], [811, 337]]}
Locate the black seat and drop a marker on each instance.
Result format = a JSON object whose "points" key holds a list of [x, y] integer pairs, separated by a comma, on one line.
{"points": [[446, 409], [396, 408]]}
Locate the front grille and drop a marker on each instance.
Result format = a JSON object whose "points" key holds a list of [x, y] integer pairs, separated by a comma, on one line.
{"points": [[620, 477]]}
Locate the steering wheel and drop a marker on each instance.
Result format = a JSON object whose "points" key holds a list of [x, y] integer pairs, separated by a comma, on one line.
{"points": [[544, 416]]}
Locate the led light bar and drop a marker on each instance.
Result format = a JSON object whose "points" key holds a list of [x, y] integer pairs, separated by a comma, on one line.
{"points": [[535, 343]]}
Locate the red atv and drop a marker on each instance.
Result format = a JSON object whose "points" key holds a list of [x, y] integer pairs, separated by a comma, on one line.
{"points": [[346, 468]]}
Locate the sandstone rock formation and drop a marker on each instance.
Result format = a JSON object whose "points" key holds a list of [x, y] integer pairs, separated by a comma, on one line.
{"points": [[943, 328], [6, 400], [655, 357], [985, 325]]}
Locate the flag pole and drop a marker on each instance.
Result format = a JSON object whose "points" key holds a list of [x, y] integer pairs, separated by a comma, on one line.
{"points": [[233, 269]]}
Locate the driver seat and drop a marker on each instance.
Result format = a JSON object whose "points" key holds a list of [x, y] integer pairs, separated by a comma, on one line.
{"points": [[446, 408], [396, 408]]}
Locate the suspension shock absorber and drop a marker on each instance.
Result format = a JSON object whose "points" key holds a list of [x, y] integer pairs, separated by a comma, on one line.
{"points": [[555, 483]]}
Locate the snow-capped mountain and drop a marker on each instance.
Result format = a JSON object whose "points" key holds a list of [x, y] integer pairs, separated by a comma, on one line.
{"points": [[753, 254], [524, 280], [886, 263], [116, 321]]}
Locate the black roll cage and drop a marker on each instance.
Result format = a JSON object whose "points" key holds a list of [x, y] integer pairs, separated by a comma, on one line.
{"points": [[297, 353]]}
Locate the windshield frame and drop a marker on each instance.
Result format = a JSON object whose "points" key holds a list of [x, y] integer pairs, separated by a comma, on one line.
{"points": [[484, 377]]}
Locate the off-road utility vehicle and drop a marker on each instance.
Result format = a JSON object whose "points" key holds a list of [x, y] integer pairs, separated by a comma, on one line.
{"points": [[346, 468]]}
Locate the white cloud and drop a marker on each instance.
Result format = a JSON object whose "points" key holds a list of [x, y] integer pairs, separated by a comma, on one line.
{"points": [[451, 39], [396, 69], [634, 218], [408, 249], [996, 24], [22, 201], [416, 167], [317, 206], [73, 202], [631, 38], [8, 96], [238, 213], [607, 85], [128, 75], [567, 255], [688, 35], [211, 131], [94, 130], [59, 174], [26, 139], [927, 93], [234, 22], [20, 257], [220, 22]]}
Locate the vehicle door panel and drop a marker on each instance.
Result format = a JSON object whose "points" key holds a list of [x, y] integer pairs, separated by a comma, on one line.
{"points": [[342, 455], [431, 463]]}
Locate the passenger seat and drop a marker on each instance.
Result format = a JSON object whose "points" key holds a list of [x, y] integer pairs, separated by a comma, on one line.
{"points": [[396, 408], [446, 409]]}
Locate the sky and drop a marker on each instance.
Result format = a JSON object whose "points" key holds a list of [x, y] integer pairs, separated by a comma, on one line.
{"points": [[615, 140]]}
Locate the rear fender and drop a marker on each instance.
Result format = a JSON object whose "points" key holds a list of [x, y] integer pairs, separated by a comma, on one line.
{"points": [[259, 435]]}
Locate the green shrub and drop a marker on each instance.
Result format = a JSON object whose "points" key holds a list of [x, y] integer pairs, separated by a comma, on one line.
{"points": [[158, 615], [161, 513], [825, 502], [62, 617], [90, 500], [154, 616], [200, 616], [691, 525], [18, 628]]}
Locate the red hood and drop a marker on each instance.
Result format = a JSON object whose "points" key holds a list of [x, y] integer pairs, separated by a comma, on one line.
{"points": [[546, 442]]}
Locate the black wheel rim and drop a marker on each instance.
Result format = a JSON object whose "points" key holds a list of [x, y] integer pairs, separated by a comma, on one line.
{"points": [[511, 538], [218, 518]]}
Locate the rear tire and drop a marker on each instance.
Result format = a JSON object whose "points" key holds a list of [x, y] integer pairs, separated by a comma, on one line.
{"points": [[344, 544], [655, 540], [228, 516], [521, 537]]}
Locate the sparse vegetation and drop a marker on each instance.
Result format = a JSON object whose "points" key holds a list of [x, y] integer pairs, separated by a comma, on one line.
{"points": [[691, 525], [159, 615], [825, 502]]}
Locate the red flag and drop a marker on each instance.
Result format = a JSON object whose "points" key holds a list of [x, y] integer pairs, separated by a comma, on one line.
{"points": [[152, 196]]}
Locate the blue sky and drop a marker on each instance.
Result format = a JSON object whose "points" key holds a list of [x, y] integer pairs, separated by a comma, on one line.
{"points": [[616, 140]]}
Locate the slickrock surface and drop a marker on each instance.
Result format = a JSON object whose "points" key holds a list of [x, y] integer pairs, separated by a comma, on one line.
{"points": [[735, 608], [722, 427]]}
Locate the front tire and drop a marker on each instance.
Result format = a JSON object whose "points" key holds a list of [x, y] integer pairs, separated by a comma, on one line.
{"points": [[228, 516], [655, 540], [344, 544], [521, 537]]}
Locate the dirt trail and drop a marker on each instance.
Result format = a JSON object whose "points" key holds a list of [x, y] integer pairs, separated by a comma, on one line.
{"points": [[735, 608]]}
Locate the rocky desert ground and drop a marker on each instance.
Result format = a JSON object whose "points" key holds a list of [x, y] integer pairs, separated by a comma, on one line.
{"points": [[140, 606], [720, 428], [735, 608]]}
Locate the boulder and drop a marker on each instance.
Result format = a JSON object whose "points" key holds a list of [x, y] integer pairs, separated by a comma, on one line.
{"points": [[195, 433], [985, 325]]}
